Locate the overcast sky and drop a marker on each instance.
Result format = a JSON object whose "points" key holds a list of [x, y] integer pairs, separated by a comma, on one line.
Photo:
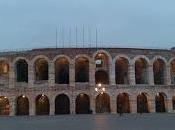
{"points": [[135, 23]]}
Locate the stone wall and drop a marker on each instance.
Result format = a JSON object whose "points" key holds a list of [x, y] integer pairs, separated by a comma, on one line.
{"points": [[12, 89]]}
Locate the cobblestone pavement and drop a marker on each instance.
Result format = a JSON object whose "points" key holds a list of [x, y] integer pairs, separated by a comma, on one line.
{"points": [[90, 122]]}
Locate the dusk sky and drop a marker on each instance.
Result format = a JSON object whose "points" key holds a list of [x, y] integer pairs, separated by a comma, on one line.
{"points": [[120, 23]]}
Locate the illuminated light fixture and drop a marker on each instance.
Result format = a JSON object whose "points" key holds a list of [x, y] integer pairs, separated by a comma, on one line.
{"points": [[100, 89], [23, 96], [42, 95], [99, 54], [99, 85], [96, 89], [81, 94], [5, 97]]}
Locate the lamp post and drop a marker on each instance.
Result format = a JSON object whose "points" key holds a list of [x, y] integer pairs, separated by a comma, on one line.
{"points": [[100, 90]]}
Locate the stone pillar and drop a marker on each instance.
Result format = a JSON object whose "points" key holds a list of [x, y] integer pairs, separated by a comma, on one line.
{"points": [[113, 105], [131, 74], [152, 105], [52, 105], [133, 104], [72, 74], [92, 73], [169, 105], [32, 106], [51, 73], [92, 104], [150, 75], [11, 77], [112, 73], [168, 75], [72, 104], [12, 106], [31, 74]]}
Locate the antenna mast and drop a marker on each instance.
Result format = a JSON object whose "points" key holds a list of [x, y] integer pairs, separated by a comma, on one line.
{"points": [[56, 39]]}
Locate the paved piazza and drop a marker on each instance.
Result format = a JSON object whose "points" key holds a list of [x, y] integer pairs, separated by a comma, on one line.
{"points": [[90, 122]]}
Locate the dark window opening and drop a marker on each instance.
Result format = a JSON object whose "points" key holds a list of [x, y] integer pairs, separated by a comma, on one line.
{"points": [[102, 77], [83, 104], [41, 69], [123, 105], [62, 71], [22, 71], [62, 104], [82, 70]]}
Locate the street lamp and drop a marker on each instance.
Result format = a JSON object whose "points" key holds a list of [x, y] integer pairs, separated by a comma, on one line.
{"points": [[100, 89]]}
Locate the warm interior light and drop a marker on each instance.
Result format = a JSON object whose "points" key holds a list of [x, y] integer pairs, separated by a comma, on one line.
{"points": [[5, 68], [96, 89], [99, 85]]}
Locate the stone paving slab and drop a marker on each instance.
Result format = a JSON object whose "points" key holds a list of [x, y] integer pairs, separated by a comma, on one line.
{"points": [[90, 122]]}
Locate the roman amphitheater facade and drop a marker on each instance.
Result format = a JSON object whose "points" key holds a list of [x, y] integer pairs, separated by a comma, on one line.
{"points": [[63, 81]]}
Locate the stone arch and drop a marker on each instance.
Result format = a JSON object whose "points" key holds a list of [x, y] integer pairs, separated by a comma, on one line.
{"points": [[102, 59], [102, 51], [102, 103], [62, 104], [41, 67], [121, 70], [101, 76], [82, 104], [4, 106], [82, 69], [159, 70], [160, 102], [123, 103], [22, 105], [21, 70], [141, 69], [62, 70], [61, 56], [42, 105], [142, 103], [172, 70]]}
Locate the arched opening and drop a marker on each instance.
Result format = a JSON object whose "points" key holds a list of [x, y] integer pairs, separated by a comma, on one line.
{"points": [[159, 72], [123, 105], [121, 71], [62, 104], [141, 71], [22, 105], [142, 103], [102, 60], [83, 104], [82, 69], [102, 103], [62, 71], [173, 102], [4, 106], [160, 102], [173, 72], [102, 77], [42, 105], [41, 69], [21, 71], [4, 72]]}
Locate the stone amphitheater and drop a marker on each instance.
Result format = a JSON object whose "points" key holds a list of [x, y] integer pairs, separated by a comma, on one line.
{"points": [[53, 81]]}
